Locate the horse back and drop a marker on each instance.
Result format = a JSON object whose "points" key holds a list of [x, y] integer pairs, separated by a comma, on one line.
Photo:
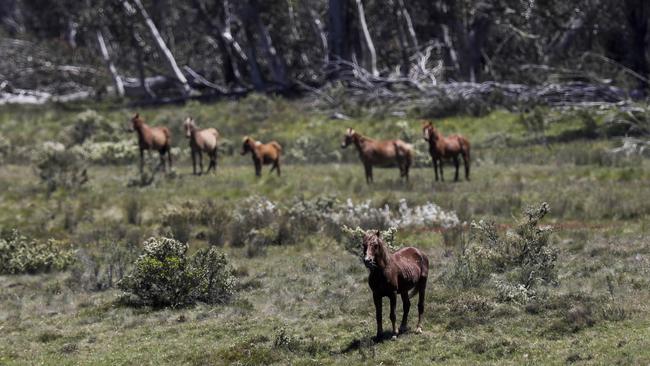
{"points": [[413, 264]]}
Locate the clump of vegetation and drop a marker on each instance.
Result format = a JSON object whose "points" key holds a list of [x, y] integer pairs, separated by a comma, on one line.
{"points": [[354, 239], [166, 276], [516, 264], [252, 213], [59, 167], [19, 255], [88, 125]]}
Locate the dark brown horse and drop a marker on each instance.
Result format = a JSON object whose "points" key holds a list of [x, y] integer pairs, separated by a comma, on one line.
{"points": [[381, 153], [443, 148], [263, 154], [392, 274], [201, 141], [152, 138]]}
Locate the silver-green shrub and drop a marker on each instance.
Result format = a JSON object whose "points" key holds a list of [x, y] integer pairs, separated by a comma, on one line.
{"points": [[515, 263], [166, 276], [19, 255]]}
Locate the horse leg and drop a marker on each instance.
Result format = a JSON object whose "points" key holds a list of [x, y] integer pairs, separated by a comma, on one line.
{"points": [[162, 159], [368, 169], [214, 159], [169, 156], [406, 304], [377, 299], [277, 166], [393, 317], [442, 177], [193, 162], [258, 168], [457, 165], [421, 292], [435, 167], [141, 161], [200, 161], [466, 163]]}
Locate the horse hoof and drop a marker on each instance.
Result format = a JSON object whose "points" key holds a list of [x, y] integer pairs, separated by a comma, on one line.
{"points": [[418, 330], [393, 338]]}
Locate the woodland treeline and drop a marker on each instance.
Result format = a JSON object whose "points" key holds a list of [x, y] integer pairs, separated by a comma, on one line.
{"points": [[156, 49]]}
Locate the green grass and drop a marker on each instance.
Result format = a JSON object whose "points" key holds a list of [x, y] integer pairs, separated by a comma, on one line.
{"points": [[309, 303]]}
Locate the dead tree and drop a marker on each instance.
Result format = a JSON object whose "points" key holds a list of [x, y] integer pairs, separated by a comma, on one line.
{"points": [[117, 79], [162, 46], [370, 46]]}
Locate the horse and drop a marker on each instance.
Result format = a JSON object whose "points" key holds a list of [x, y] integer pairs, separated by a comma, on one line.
{"points": [[263, 154], [201, 141], [449, 147], [152, 138], [381, 153], [405, 270]]}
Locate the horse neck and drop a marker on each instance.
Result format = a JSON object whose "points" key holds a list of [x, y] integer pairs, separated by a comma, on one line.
{"points": [[384, 260], [359, 140]]}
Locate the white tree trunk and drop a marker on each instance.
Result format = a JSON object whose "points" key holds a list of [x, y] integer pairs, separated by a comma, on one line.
{"points": [[160, 42], [409, 24], [366, 34], [117, 79], [319, 29]]}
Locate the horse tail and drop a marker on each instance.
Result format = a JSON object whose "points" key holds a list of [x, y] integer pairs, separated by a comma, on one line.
{"points": [[277, 145]]}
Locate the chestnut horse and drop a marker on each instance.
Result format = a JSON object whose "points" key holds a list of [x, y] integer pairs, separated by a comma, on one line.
{"points": [[449, 147], [201, 141], [392, 274], [263, 154], [381, 153], [152, 138]]}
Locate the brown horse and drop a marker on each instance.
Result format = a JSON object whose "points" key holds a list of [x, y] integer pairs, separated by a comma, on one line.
{"points": [[202, 141], [381, 153], [449, 147], [392, 274], [263, 154], [152, 138]]}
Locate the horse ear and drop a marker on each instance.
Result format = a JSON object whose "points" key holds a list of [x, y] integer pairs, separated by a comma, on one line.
{"points": [[378, 233], [137, 115]]}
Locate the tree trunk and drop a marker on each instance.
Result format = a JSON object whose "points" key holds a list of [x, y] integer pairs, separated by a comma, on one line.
{"points": [[368, 40], [117, 80], [231, 73], [401, 37], [338, 30], [275, 61], [178, 74], [409, 24], [637, 12], [318, 28]]}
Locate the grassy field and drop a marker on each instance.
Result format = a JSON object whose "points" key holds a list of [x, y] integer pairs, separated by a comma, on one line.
{"points": [[308, 302]]}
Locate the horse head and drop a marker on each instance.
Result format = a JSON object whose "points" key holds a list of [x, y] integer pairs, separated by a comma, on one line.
{"points": [[349, 138], [189, 125], [246, 145], [374, 251], [429, 132], [136, 123]]}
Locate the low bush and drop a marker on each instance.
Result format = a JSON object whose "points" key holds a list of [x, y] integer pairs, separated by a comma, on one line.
{"points": [[59, 167], [166, 276], [515, 264], [19, 255]]}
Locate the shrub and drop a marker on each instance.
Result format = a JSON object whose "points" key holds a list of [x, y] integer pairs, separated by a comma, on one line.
{"points": [[88, 125], [165, 276], [354, 239], [515, 264], [21, 255], [59, 167], [253, 213]]}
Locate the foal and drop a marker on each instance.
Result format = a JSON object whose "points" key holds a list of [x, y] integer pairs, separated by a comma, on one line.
{"points": [[450, 147], [152, 138], [263, 154], [381, 153], [202, 141], [392, 274]]}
